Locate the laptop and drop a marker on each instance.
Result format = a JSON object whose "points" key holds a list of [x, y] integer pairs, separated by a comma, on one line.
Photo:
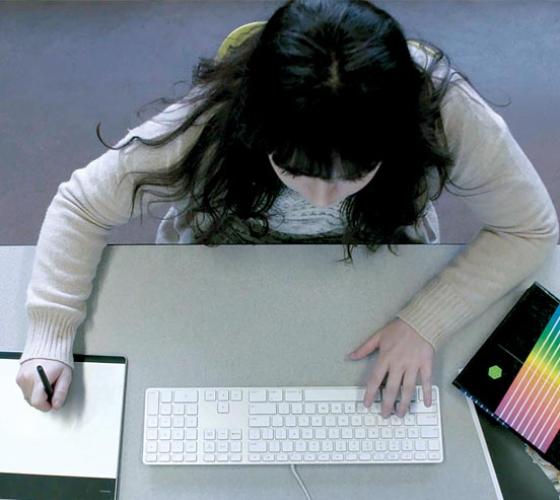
{"points": [[70, 453], [515, 375]]}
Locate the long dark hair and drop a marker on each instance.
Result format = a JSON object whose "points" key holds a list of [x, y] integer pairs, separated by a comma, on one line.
{"points": [[322, 77]]}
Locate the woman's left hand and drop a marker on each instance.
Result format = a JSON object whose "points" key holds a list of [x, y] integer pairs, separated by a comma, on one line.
{"points": [[402, 354]]}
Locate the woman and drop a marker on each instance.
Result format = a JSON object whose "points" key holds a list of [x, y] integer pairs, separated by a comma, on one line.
{"points": [[323, 126]]}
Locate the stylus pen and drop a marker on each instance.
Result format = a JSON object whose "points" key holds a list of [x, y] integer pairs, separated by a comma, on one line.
{"points": [[46, 383]]}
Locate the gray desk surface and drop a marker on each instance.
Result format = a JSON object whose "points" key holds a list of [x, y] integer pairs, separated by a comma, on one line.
{"points": [[266, 315]]}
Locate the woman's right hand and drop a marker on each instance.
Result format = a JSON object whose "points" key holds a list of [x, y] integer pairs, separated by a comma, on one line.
{"points": [[59, 375]]}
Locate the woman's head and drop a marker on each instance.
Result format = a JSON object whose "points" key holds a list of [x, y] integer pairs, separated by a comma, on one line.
{"points": [[331, 79], [328, 91]]}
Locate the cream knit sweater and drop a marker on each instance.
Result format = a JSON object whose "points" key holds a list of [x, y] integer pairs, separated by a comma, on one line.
{"points": [[520, 227]]}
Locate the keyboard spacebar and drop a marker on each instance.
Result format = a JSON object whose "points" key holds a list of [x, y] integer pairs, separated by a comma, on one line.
{"points": [[333, 394]]}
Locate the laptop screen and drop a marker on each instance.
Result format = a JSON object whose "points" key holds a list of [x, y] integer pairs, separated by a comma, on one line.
{"points": [[515, 375]]}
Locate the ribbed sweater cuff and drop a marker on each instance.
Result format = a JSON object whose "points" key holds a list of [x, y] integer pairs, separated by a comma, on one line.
{"points": [[436, 312], [50, 336]]}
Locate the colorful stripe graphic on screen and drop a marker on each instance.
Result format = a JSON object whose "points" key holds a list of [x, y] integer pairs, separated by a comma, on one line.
{"points": [[531, 404]]}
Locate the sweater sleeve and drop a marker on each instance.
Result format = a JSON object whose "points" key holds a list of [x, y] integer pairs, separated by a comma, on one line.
{"points": [[498, 183], [76, 226]]}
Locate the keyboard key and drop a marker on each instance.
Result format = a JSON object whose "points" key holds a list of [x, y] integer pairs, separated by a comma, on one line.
{"points": [[433, 444], [152, 421], [178, 409], [151, 434], [294, 395], [419, 407], [235, 434], [190, 457], [262, 421], [186, 396], [364, 456], [165, 421], [256, 446], [290, 421], [323, 457], [267, 433], [420, 445], [429, 432], [297, 408], [287, 446], [150, 457], [177, 447], [283, 408], [178, 421], [165, 396], [210, 395], [191, 408], [163, 457], [209, 434], [257, 395], [165, 409], [222, 434], [153, 405], [209, 457], [223, 394], [330, 420], [191, 433], [360, 433], [164, 446], [236, 395], [427, 419], [373, 433], [235, 446], [190, 446], [307, 433], [277, 421], [191, 421], [282, 457], [164, 433], [151, 446], [209, 446], [303, 420], [434, 455], [254, 434], [323, 408], [349, 407], [235, 457], [320, 433], [275, 395], [280, 433], [334, 433], [336, 408], [222, 446], [262, 409]]}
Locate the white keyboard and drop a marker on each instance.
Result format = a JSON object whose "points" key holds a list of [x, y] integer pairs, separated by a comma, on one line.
{"points": [[287, 425]]}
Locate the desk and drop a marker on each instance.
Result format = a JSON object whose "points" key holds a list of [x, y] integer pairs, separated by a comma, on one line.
{"points": [[266, 315]]}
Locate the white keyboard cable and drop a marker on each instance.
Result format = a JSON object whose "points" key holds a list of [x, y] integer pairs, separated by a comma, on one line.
{"points": [[295, 473]]}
